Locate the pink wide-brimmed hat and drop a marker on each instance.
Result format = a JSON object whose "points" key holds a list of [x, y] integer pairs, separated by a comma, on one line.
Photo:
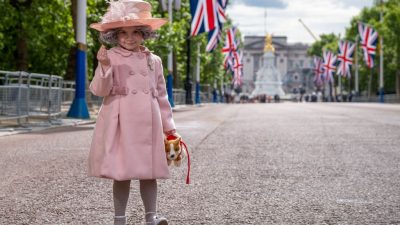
{"points": [[127, 13]]}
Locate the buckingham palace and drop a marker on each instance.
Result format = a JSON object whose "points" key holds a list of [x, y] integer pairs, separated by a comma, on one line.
{"points": [[291, 60]]}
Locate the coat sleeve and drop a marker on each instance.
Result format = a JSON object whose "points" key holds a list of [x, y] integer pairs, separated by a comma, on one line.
{"points": [[165, 108], [102, 82]]}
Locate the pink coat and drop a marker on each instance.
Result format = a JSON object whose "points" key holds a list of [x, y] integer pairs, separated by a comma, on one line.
{"points": [[128, 140]]}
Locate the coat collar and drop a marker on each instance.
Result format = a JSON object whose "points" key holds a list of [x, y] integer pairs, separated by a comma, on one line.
{"points": [[126, 53]]}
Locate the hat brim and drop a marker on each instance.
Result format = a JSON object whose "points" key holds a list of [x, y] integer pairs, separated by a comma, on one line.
{"points": [[154, 23]]}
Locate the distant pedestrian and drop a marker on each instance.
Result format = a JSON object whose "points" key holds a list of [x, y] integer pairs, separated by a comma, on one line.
{"points": [[263, 98], [276, 98], [351, 96], [215, 96], [128, 140]]}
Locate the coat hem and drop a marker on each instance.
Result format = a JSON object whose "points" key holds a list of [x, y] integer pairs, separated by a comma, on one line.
{"points": [[132, 178]]}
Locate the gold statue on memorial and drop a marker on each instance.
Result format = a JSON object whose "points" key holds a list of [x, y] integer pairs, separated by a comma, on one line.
{"points": [[268, 44]]}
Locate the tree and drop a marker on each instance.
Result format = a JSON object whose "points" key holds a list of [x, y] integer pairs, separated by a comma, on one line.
{"points": [[390, 31], [46, 31], [38, 29], [326, 42]]}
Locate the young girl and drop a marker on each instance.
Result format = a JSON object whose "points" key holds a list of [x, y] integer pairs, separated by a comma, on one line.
{"points": [[128, 140]]}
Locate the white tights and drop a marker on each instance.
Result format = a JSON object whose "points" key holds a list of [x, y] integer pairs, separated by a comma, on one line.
{"points": [[148, 192]]}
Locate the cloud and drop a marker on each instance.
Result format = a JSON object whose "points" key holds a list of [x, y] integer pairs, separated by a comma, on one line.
{"points": [[325, 16], [356, 3], [262, 3]]}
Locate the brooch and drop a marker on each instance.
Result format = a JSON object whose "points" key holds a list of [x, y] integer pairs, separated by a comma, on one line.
{"points": [[150, 62]]}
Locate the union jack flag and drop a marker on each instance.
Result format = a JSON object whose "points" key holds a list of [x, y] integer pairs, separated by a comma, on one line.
{"points": [[214, 36], [206, 15], [233, 56], [369, 39], [345, 58], [213, 39], [230, 47], [238, 69], [329, 66], [318, 71]]}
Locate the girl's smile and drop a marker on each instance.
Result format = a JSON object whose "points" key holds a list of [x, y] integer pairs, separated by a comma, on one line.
{"points": [[130, 38]]}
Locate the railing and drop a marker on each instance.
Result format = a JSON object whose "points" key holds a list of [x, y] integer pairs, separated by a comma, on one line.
{"points": [[179, 95], [24, 95], [389, 98]]}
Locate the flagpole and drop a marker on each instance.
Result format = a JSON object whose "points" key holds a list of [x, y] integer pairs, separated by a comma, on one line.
{"points": [[79, 107], [222, 90], [188, 82], [170, 67], [265, 21], [197, 99], [370, 83], [356, 81], [381, 91], [340, 87], [349, 88]]}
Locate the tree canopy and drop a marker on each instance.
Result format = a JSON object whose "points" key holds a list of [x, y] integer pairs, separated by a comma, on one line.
{"points": [[389, 30], [37, 36]]}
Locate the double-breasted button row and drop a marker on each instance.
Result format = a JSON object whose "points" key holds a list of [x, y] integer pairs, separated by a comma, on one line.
{"points": [[146, 91], [143, 73]]}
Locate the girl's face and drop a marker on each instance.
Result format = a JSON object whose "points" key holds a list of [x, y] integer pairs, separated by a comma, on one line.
{"points": [[130, 38]]}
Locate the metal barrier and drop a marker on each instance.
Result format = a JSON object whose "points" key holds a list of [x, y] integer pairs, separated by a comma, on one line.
{"points": [[69, 95], [92, 100], [13, 96], [205, 95], [389, 98], [25, 95], [179, 96]]}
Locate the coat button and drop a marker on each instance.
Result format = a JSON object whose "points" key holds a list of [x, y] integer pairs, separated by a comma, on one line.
{"points": [[131, 72], [134, 91], [145, 91]]}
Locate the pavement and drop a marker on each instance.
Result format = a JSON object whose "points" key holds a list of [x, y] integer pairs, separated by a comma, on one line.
{"points": [[315, 163]]}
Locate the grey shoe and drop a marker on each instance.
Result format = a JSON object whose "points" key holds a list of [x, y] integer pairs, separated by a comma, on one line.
{"points": [[158, 220]]}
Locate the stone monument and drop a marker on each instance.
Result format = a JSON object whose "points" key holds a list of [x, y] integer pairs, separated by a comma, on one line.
{"points": [[268, 80]]}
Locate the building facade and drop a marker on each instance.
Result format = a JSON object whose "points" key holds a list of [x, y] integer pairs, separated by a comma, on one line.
{"points": [[291, 60]]}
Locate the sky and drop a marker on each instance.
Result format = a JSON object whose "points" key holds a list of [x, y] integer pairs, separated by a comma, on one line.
{"points": [[320, 16]]}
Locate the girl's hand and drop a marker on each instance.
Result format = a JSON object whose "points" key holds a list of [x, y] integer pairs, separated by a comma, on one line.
{"points": [[172, 133], [103, 57]]}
